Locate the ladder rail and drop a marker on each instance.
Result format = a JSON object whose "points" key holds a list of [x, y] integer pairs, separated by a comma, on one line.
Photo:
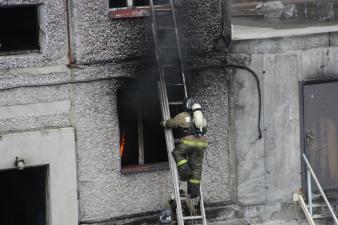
{"points": [[179, 48], [305, 209], [204, 219], [312, 174], [170, 145], [177, 41], [166, 115], [165, 107]]}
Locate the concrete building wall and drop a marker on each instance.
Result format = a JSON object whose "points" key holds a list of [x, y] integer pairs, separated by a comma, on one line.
{"points": [[269, 169], [97, 38], [114, 49], [104, 192]]}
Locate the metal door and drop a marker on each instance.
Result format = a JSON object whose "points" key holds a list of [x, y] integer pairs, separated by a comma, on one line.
{"points": [[320, 120]]}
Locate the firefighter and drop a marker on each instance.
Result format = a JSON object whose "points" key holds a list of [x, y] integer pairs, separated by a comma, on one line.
{"points": [[189, 153]]}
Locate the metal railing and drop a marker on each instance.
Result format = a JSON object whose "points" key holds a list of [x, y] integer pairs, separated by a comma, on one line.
{"points": [[311, 175]]}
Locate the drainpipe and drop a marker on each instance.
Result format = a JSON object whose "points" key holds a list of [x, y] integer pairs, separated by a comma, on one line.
{"points": [[223, 42], [227, 28], [69, 32]]}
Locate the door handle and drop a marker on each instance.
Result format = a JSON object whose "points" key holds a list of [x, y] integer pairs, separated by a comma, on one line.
{"points": [[308, 138]]}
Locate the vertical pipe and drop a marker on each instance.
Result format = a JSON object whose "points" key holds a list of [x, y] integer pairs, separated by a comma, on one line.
{"points": [[226, 17], [140, 138], [67, 6], [309, 190]]}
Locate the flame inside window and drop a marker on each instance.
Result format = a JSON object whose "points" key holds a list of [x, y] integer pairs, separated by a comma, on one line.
{"points": [[122, 144]]}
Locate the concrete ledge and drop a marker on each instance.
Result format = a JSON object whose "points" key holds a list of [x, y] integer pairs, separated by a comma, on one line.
{"points": [[282, 44], [38, 109], [250, 33], [215, 215]]}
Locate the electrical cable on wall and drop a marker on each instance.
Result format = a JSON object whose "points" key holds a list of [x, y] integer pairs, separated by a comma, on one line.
{"points": [[111, 78], [258, 89], [257, 83]]}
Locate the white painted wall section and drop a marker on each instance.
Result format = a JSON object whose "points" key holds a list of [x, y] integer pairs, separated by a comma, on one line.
{"points": [[55, 148]]}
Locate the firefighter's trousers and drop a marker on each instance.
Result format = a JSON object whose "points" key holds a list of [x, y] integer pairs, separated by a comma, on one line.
{"points": [[189, 162]]}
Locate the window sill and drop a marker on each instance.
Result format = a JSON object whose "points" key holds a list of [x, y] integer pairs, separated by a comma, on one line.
{"points": [[251, 31], [134, 12], [145, 168], [20, 52]]}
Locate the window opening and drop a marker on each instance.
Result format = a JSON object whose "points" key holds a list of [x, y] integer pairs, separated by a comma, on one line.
{"points": [[117, 3], [134, 3], [141, 2], [141, 137], [19, 30], [23, 196]]}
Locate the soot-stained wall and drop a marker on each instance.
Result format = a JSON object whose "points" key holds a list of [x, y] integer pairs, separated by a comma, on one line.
{"points": [[97, 38], [103, 48], [104, 191]]}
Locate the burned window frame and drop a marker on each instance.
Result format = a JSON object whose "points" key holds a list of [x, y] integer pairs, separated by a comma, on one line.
{"points": [[132, 9], [142, 150]]}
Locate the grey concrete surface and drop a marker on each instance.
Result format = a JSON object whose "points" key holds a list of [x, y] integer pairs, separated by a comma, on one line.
{"points": [[199, 29], [283, 44], [99, 38], [258, 174], [98, 145], [34, 108], [269, 169], [218, 172], [257, 31], [104, 191]]}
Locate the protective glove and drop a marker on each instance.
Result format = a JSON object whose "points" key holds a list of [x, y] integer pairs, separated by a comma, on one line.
{"points": [[162, 123]]}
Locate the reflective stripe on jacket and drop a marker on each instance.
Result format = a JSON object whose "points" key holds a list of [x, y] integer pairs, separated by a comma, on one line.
{"points": [[194, 142]]}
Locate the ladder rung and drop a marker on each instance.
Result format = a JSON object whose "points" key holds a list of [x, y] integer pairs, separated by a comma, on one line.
{"points": [[176, 103], [192, 217], [168, 47], [171, 84], [321, 216], [170, 65], [162, 9], [166, 28], [162, 6]]}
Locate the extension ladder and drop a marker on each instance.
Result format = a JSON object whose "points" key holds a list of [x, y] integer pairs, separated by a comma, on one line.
{"points": [[172, 91]]}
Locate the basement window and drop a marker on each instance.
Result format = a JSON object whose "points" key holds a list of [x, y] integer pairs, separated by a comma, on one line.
{"points": [[142, 142], [19, 30], [23, 196]]}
